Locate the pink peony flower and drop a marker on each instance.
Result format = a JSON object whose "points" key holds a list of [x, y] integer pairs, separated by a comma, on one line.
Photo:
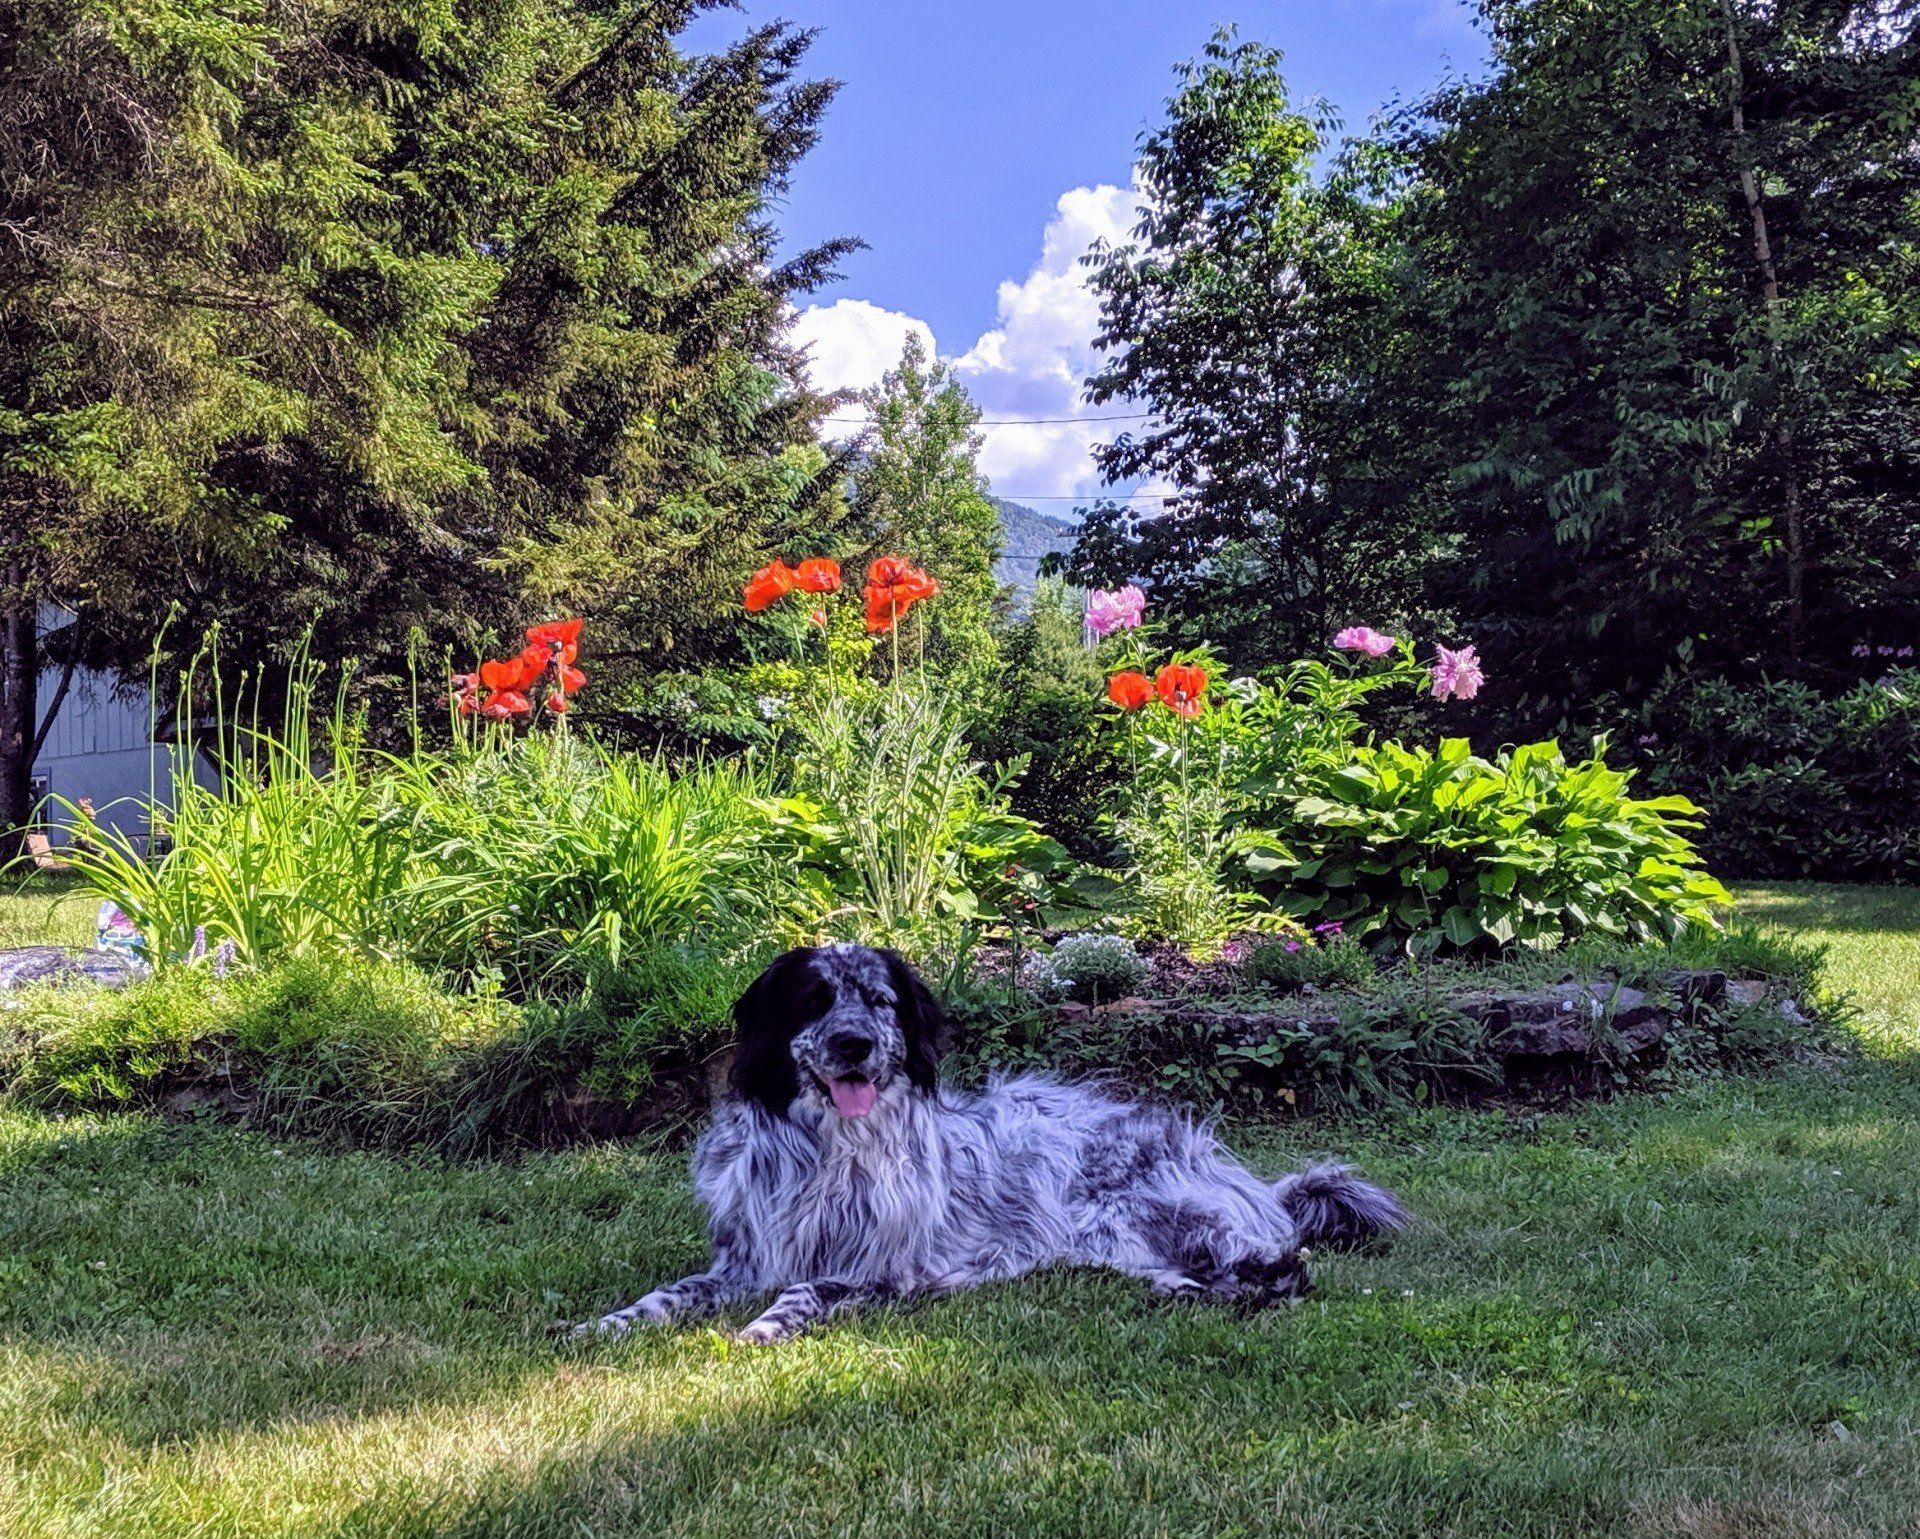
{"points": [[1364, 638], [1120, 609], [1457, 674]]}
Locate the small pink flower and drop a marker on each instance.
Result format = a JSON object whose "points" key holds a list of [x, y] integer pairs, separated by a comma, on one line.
{"points": [[1861, 649], [1118, 609], [1457, 673], [1364, 638], [1290, 947]]}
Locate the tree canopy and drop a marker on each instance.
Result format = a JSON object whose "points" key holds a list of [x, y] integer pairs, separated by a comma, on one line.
{"points": [[1606, 360], [384, 323]]}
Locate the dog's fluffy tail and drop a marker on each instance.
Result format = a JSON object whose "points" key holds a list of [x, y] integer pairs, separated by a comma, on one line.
{"points": [[1335, 1209]]}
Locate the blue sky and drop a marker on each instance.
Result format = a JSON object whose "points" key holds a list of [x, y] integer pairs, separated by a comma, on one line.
{"points": [[979, 145]]}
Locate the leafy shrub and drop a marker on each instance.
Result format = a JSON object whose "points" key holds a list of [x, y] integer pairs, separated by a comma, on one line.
{"points": [[1093, 967], [1331, 962], [1176, 851], [1428, 849], [1796, 782], [1045, 710]]}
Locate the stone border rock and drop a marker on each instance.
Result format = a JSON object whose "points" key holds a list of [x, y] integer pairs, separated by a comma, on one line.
{"points": [[66, 964], [1597, 1021]]}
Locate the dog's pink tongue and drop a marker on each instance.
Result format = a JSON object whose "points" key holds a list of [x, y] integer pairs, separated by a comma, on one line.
{"points": [[852, 1097]]}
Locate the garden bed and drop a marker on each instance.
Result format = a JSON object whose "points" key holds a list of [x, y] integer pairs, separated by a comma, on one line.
{"points": [[1585, 1022], [377, 1054]]}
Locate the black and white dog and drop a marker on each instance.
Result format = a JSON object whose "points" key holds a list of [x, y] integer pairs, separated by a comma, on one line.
{"points": [[836, 1173]]}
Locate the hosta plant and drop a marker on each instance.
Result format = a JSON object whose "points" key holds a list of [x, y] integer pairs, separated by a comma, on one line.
{"points": [[1431, 849]]}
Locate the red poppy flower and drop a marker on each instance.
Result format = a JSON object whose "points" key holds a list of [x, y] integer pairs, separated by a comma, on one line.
{"points": [[536, 660], [505, 703], [512, 675], [571, 678], [895, 585], [557, 703], [772, 582], [818, 617], [817, 574], [556, 638], [1180, 686], [1130, 690]]}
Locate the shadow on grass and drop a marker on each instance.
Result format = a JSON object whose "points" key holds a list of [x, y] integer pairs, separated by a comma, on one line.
{"points": [[1832, 907]]}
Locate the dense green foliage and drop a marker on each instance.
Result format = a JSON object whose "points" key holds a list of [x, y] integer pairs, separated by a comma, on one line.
{"points": [[1606, 360], [1705, 299], [531, 862], [1256, 314], [1428, 848], [1277, 801], [1795, 781]]}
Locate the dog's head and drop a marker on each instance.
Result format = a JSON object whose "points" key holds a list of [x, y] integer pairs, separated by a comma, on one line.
{"points": [[835, 1026]]}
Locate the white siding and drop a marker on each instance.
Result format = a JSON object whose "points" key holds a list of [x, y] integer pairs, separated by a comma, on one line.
{"points": [[101, 746]]}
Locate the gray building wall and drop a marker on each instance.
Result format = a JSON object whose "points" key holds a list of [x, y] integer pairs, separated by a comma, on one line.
{"points": [[101, 747]]}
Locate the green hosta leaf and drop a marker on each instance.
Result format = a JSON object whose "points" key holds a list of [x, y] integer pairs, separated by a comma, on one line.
{"points": [[1461, 927]]}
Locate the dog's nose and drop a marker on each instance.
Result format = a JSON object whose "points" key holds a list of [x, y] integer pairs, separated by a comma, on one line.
{"points": [[849, 1047]]}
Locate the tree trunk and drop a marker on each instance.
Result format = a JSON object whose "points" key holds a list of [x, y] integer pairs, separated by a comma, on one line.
{"points": [[1782, 429], [19, 679]]}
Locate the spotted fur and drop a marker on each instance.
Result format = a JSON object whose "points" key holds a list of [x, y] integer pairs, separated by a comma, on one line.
{"points": [[931, 1190]]}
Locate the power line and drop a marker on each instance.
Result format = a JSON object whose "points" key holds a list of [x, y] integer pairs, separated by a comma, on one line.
{"points": [[1138, 416]]}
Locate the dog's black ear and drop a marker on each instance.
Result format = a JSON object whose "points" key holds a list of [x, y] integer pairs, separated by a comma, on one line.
{"points": [[921, 1021], [768, 1015]]}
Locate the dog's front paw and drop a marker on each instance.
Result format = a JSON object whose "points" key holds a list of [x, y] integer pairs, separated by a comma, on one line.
{"points": [[651, 1310], [764, 1331]]}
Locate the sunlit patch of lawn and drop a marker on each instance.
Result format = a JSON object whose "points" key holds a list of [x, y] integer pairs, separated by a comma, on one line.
{"points": [[1873, 939], [1693, 1314], [42, 911]]}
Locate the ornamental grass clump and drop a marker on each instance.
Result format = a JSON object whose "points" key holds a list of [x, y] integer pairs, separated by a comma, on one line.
{"points": [[894, 833]]}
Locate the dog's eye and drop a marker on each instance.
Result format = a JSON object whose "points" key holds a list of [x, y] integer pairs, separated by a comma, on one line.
{"points": [[816, 1001]]}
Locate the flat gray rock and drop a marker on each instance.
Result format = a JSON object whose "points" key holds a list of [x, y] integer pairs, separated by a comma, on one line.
{"points": [[63, 964]]}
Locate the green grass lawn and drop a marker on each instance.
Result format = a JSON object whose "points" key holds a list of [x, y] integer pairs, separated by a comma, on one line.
{"points": [[40, 911], [1697, 1314]]}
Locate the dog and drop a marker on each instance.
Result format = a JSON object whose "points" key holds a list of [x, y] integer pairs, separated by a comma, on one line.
{"points": [[836, 1171]]}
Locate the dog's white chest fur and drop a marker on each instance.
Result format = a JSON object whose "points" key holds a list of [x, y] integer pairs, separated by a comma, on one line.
{"points": [[847, 1198]]}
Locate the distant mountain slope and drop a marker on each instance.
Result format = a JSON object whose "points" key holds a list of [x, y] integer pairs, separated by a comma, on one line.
{"points": [[1030, 535]]}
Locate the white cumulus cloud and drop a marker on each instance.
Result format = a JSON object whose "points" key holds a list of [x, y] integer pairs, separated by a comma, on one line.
{"points": [[851, 344], [1030, 365]]}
